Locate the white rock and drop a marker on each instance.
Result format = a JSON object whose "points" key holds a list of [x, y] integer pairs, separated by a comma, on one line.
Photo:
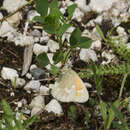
{"points": [[24, 40], [15, 19], [19, 104], [68, 2], [50, 56], [32, 14], [96, 45], [5, 29], [67, 34], [54, 106], [44, 90], [1, 16], [35, 110], [62, 10], [95, 35], [33, 85], [27, 111], [78, 15], [128, 45], [9, 74], [87, 54], [45, 36], [120, 30], [37, 101], [20, 82], [101, 5], [38, 49], [99, 19], [28, 75], [33, 66], [52, 45], [82, 5], [12, 6], [36, 33], [37, 104], [108, 55]]}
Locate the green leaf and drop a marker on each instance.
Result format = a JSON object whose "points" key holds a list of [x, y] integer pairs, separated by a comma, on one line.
{"points": [[66, 55], [103, 107], [54, 70], [75, 37], [43, 60], [117, 125], [52, 5], [100, 33], [58, 56], [72, 113], [51, 24], [111, 114], [38, 19], [6, 108], [119, 115], [129, 31], [50, 29], [30, 120], [84, 42], [71, 10], [42, 7], [63, 29], [8, 114], [87, 117]]}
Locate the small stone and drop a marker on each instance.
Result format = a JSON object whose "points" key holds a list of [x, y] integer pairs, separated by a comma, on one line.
{"points": [[6, 29], [108, 55], [96, 45], [54, 106], [19, 104], [29, 76], [33, 66], [27, 111], [121, 31], [82, 5], [128, 45], [38, 49], [33, 85], [36, 33], [1, 16], [78, 15], [99, 19], [38, 73], [14, 20], [45, 37], [37, 104], [88, 85], [20, 82], [9, 74], [53, 46], [13, 6], [44, 90], [32, 14], [24, 40], [87, 54], [101, 5]]}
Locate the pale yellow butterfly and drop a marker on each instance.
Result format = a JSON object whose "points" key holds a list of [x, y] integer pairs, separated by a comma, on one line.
{"points": [[70, 88]]}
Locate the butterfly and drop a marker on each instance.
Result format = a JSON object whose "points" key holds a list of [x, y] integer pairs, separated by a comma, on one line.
{"points": [[69, 87]]}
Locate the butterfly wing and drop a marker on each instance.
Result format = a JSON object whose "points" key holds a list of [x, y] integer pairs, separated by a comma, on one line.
{"points": [[64, 89], [81, 90]]}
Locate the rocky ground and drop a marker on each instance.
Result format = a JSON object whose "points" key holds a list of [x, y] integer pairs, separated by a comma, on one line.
{"points": [[32, 95]]}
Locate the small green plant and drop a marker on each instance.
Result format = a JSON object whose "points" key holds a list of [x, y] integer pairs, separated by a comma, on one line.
{"points": [[55, 23], [73, 113], [10, 122]]}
